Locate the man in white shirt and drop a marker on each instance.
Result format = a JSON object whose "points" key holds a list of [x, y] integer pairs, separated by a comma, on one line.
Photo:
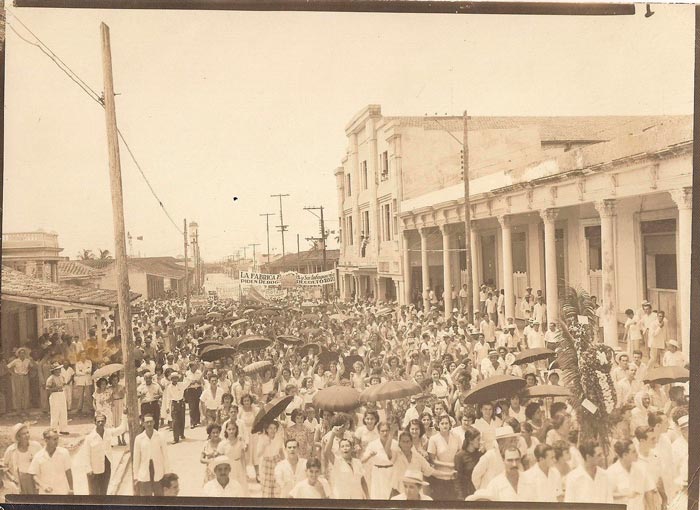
{"points": [[628, 478], [51, 467], [589, 483], [491, 463], [535, 338], [222, 486], [83, 385], [150, 458], [347, 474], [313, 486], [505, 486], [463, 294], [290, 471], [412, 483], [539, 311], [488, 329], [679, 447], [491, 307], [211, 398], [619, 371], [646, 319], [174, 400], [658, 337], [98, 453], [541, 482], [68, 374], [490, 366], [673, 357]]}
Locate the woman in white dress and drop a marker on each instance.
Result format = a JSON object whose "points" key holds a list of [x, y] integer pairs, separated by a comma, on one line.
{"points": [[442, 448], [234, 448], [382, 453]]}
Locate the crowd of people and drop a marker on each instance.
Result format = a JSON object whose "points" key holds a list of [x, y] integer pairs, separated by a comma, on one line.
{"points": [[429, 445]]}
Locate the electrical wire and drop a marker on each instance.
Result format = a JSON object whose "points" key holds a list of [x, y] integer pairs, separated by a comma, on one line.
{"points": [[95, 97]]}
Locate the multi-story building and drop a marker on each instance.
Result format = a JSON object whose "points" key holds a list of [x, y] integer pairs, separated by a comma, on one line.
{"points": [[595, 202], [35, 254]]}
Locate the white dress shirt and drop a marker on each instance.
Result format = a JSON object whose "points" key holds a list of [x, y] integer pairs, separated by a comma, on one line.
{"points": [[500, 489], [213, 489], [150, 448], [287, 476], [489, 466], [535, 485], [50, 470], [581, 488], [98, 448]]}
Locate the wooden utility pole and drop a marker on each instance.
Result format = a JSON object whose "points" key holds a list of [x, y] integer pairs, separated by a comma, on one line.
{"points": [[187, 278], [467, 221], [282, 227], [254, 245], [267, 228], [115, 180], [298, 256]]}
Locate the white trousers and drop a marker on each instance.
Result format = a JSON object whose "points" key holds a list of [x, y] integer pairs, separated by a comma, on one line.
{"points": [[58, 411]]}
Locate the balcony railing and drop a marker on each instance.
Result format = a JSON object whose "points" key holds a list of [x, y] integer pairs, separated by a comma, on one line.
{"points": [[30, 239]]}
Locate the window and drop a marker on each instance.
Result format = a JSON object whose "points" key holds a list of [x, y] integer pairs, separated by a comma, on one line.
{"points": [[396, 218], [363, 169], [385, 165], [349, 231], [348, 184], [365, 224], [595, 248], [387, 221]]}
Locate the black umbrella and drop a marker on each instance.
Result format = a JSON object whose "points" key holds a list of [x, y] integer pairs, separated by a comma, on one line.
{"points": [[217, 352], [305, 349], [494, 388], [532, 355], [270, 413], [327, 357], [289, 340], [349, 361], [253, 343]]}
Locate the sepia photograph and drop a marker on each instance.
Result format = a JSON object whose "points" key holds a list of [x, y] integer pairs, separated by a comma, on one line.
{"points": [[265, 256]]}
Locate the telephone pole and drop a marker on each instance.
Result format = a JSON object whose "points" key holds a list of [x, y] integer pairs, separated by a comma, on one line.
{"points": [[267, 229], [123, 297], [282, 227], [245, 253], [467, 221], [298, 256], [254, 245], [323, 235], [187, 279]]}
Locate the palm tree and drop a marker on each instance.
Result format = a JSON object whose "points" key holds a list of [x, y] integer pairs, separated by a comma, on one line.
{"points": [[86, 255], [104, 255]]}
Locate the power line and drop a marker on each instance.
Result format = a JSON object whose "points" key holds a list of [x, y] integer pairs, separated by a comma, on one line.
{"points": [[95, 97]]}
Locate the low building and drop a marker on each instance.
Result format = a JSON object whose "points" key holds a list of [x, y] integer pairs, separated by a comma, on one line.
{"points": [[26, 302], [310, 261], [74, 272], [151, 277], [35, 254]]}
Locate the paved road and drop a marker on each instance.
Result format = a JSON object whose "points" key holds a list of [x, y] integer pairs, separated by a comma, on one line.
{"points": [[184, 460], [225, 286]]}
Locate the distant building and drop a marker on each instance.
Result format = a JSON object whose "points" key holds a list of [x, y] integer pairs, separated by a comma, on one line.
{"points": [[152, 277], [310, 261], [35, 254], [74, 272]]}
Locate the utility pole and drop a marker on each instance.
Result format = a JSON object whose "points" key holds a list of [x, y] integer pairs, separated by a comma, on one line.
{"points": [[298, 256], [267, 228], [467, 221], [115, 181], [198, 262], [187, 278], [322, 238], [245, 253], [254, 245], [282, 227]]}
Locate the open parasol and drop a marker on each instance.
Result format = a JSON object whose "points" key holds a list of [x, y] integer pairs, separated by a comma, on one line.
{"points": [[667, 375], [205, 328], [217, 352], [238, 322], [340, 317], [107, 370], [305, 349], [289, 340], [256, 367], [253, 343], [270, 413], [337, 398], [214, 315], [250, 311], [209, 343], [532, 355], [195, 319], [327, 357], [390, 390], [385, 311], [268, 312], [494, 388], [349, 361], [546, 390]]}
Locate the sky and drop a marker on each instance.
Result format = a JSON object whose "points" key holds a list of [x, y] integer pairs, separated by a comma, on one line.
{"points": [[217, 105]]}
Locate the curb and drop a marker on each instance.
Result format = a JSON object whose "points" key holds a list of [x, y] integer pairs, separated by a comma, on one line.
{"points": [[119, 473]]}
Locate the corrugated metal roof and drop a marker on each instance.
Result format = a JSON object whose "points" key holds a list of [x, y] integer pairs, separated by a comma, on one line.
{"points": [[16, 283]]}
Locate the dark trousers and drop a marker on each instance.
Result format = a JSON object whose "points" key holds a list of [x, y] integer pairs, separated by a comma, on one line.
{"points": [[98, 484], [154, 409], [177, 413], [192, 396], [150, 488]]}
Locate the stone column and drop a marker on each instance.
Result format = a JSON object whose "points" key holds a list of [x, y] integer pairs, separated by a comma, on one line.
{"points": [[549, 216], [608, 301], [475, 249], [406, 269], [446, 268], [425, 268], [504, 220], [684, 200]]}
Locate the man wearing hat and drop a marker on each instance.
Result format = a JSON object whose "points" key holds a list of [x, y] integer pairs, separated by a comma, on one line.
{"points": [[174, 398], [98, 453], [535, 338], [412, 483], [150, 394], [51, 467], [58, 409], [491, 464], [83, 384], [17, 459], [222, 486], [539, 309], [490, 366], [19, 370], [673, 357]]}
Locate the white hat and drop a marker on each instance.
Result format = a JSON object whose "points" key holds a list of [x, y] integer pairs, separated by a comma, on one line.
{"points": [[454, 310], [674, 343], [480, 495], [217, 461], [411, 476], [683, 421], [505, 432]]}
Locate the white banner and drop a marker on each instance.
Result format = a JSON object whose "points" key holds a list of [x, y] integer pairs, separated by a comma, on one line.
{"points": [[274, 280]]}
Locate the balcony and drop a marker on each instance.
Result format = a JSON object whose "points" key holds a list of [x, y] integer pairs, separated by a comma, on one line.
{"points": [[29, 240]]}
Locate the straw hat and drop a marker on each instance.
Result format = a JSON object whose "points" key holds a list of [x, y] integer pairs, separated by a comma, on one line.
{"points": [[505, 432], [411, 476], [19, 426], [218, 461]]}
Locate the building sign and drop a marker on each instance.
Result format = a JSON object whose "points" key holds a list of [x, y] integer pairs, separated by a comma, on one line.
{"points": [[288, 280]]}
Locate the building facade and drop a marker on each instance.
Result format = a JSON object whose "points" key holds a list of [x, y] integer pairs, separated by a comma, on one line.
{"points": [[596, 203]]}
